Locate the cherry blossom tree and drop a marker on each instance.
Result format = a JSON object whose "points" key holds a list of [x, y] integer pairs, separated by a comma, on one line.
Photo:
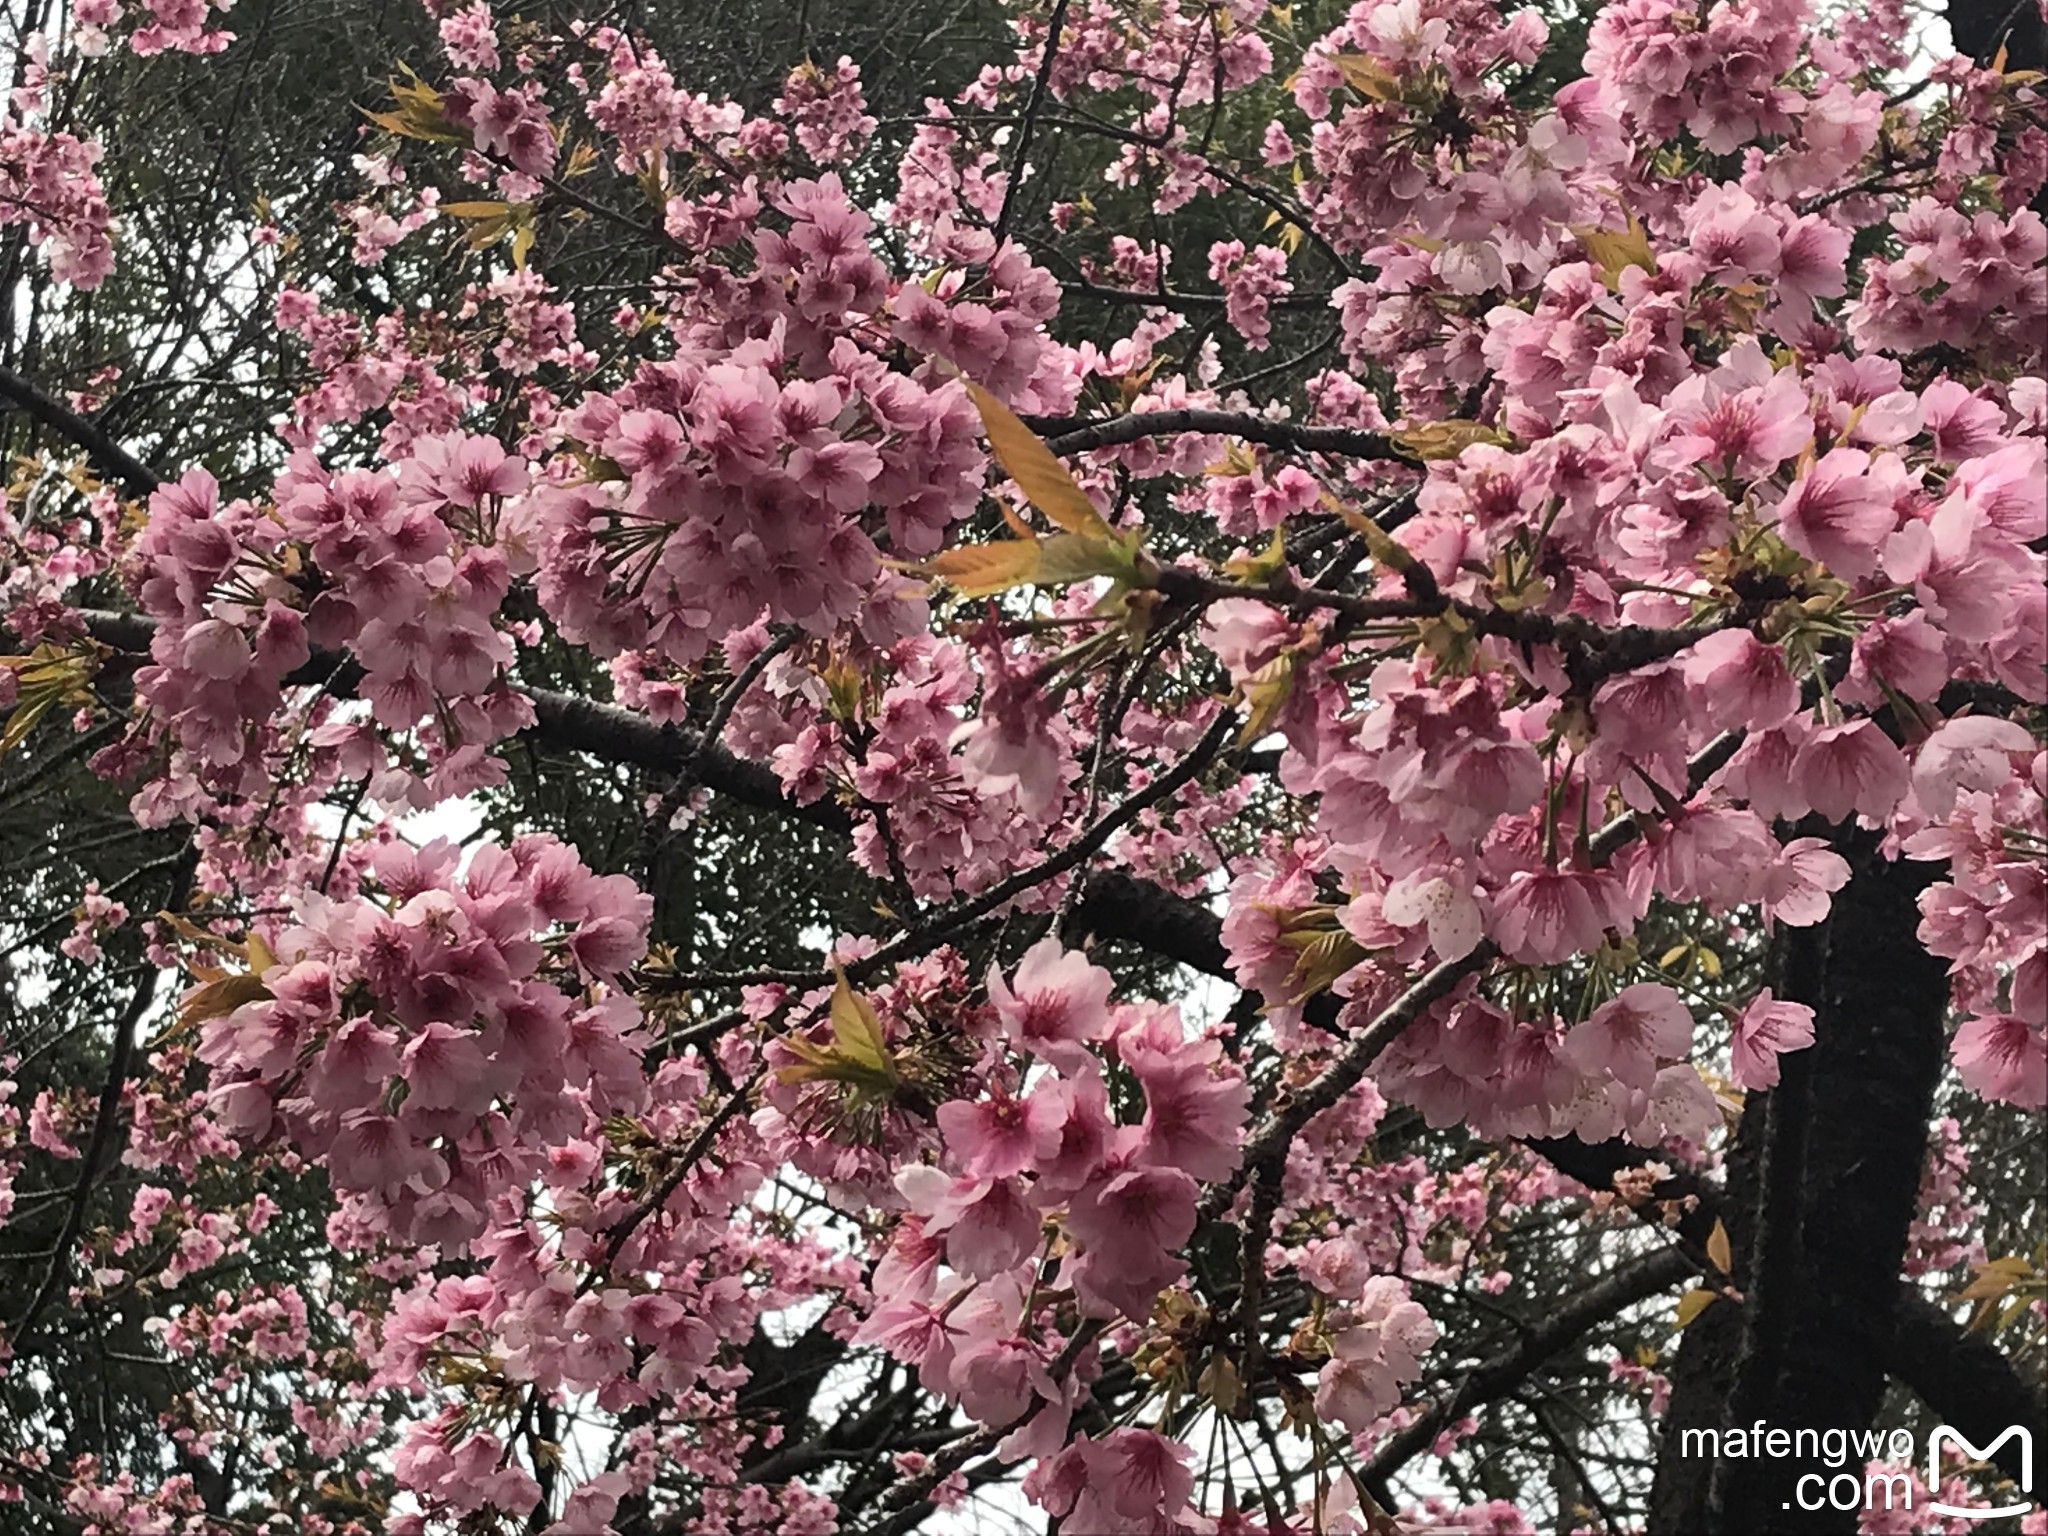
{"points": [[1279, 770]]}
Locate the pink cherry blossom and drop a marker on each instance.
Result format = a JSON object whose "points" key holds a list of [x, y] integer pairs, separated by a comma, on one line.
{"points": [[1633, 1034], [1840, 513], [1001, 1136], [1548, 915], [1767, 1029], [1129, 1218], [1970, 753], [1057, 1004], [2003, 1057], [1743, 683], [1794, 887], [1851, 769]]}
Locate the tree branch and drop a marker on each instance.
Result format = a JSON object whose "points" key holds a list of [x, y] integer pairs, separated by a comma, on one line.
{"points": [[1180, 301], [101, 449], [1032, 107], [106, 1119], [1080, 434], [1635, 1280]]}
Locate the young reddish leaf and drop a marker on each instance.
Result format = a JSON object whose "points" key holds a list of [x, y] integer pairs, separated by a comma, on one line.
{"points": [[1042, 478], [1365, 75], [1693, 1303], [1616, 250], [1445, 439], [1719, 1249]]}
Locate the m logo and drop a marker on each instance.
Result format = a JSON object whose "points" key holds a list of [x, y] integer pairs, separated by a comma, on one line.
{"points": [[1969, 1452]]}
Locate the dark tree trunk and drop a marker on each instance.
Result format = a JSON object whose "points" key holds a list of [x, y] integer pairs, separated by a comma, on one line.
{"points": [[1704, 1370], [1978, 27], [1821, 1193]]}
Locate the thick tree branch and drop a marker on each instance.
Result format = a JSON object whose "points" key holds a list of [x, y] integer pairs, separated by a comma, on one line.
{"points": [[1964, 1377], [109, 455], [1080, 434], [1832, 1225]]}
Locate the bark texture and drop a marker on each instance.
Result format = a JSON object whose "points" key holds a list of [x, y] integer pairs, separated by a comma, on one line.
{"points": [[1822, 1185]]}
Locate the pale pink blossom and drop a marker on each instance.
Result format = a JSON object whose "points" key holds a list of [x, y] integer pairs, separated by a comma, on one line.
{"points": [[1852, 769], [2003, 1057], [1633, 1034], [1766, 1029], [1794, 886], [1059, 1002]]}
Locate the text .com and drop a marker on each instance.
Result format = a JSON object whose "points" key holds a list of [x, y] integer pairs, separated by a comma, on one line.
{"points": [[1872, 1488]]}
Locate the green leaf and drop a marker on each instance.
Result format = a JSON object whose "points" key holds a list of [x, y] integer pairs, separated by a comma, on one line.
{"points": [[1324, 958], [858, 1055], [981, 570], [1266, 692], [1364, 74], [45, 678], [1263, 567], [418, 114], [857, 1029]]}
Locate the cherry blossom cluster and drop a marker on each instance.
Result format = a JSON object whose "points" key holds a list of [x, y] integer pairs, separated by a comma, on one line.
{"points": [[826, 111], [1655, 520], [413, 567], [227, 638], [97, 914], [1943, 1235], [152, 26], [48, 184], [431, 1052]]}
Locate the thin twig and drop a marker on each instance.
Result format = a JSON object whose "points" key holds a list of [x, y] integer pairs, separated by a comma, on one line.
{"points": [[1032, 107], [105, 1121]]}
